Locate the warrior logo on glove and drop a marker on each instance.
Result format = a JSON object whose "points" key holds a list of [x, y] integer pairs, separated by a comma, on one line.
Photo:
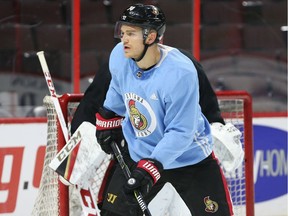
{"points": [[150, 168], [108, 129], [107, 124]]}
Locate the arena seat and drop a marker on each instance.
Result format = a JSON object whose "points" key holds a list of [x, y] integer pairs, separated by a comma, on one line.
{"points": [[179, 36], [7, 11], [176, 11], [255, 85], [118, 7], [94, 12], [221, 37], [97, 37], [46, 12], [275, 13], [53, 37], [89, 63], [263, 37], [221, 12], [8, 37], [16, 36]]}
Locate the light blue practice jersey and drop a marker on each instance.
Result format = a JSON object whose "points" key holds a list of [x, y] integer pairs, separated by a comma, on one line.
{"points": [[163, 118]]}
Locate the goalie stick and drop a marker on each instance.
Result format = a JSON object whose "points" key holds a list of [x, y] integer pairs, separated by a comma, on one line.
{"points": [[127, 173], [63, 126], [53, 94]]}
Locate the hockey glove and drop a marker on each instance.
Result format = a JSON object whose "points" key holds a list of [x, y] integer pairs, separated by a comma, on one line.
{"points": [[146, 174], [108, 129]]}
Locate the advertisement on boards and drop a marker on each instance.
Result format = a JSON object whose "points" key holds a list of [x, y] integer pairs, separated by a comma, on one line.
{"points": [[22, 151]]}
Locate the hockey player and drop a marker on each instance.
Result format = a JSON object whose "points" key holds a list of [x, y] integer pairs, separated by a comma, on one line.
{"points": [[95, 94], [155, 89]]}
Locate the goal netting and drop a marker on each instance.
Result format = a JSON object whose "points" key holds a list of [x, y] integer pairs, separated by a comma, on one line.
{"points": [[56, 199]]}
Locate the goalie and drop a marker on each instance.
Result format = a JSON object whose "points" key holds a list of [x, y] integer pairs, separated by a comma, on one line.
{"points": [[220, 207]]}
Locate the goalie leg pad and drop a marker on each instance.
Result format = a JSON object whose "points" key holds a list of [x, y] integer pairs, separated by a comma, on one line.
{"points": [[168, 202]]}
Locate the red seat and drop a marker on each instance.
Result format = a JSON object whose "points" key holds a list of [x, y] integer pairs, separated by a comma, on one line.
{"points": [[97, 37], [7, 11], [93, 12], [46, 12], [16, 36], [275, 12], [177, 11], [263, 37], [53, 37], [221, 37], [179, 36], [221, 12]]}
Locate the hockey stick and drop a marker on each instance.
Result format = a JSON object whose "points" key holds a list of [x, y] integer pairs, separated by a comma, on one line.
{"points": [[62, 121], [52, 90], [127, 173]]}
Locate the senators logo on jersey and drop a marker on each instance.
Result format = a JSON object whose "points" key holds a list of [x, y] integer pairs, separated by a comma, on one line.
{"points": [[137, 119], [211, 206], [141, 115]]}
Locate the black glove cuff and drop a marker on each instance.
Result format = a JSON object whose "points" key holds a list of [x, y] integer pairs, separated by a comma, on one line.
{"points": [[152, 167]]}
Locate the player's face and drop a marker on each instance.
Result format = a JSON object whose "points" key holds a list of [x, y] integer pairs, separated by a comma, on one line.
{"points": [[132, 38]]}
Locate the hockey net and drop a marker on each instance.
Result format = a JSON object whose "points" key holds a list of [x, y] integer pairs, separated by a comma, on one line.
{"points": [[56, 199]]}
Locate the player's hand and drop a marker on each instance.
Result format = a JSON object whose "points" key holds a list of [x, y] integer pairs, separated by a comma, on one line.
{"points": [[108, 129], [146, 174]]}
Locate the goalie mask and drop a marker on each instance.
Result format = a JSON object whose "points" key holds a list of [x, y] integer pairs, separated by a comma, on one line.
{"points": [[147, 17]]}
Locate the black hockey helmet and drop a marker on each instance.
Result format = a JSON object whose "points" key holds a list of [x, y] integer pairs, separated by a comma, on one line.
{"points": [[145, 16]]}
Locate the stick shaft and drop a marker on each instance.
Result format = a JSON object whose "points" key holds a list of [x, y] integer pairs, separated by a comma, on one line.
{"points": [[52, 90], [143, 205]]}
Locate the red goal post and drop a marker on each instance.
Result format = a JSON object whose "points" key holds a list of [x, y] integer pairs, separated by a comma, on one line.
{"points": [[236, 107], [56, 199]]}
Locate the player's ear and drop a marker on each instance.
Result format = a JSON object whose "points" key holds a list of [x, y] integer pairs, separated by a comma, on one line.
{"points": [[151, 37]]}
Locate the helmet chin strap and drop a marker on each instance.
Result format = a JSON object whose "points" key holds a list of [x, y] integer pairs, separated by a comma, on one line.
{"points": [[143, 53], [146, 46]]}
